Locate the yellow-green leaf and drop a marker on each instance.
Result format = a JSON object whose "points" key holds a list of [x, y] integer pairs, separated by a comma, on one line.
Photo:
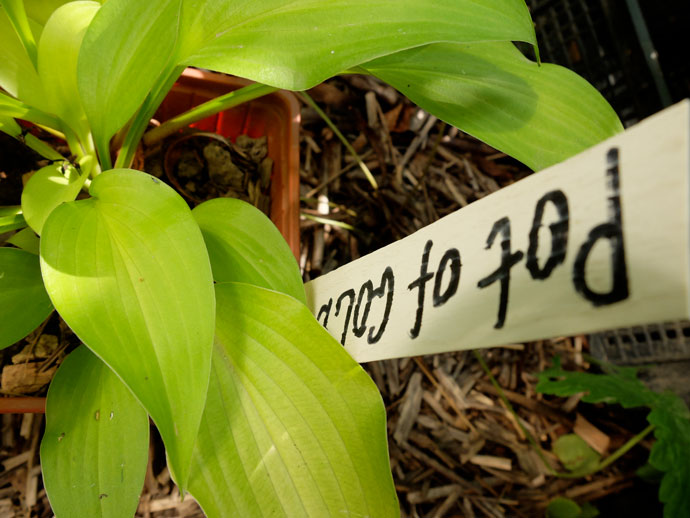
{"points": [[95, 446], [124, 52], [299, 43], [245, 246], [58, 52], [46, 189], [540, 115], [24, 303], [293, 426], [128, 271]]}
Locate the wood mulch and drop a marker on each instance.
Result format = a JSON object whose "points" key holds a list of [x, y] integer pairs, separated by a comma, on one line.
{"points": [[456, 451]]}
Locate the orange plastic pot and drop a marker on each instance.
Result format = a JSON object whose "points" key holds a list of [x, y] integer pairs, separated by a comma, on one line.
{"points": [[22, 405], [276, 115]]}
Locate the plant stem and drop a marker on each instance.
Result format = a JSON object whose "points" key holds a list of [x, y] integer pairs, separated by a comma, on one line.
{"points": [[625, 448], [42, 148], [224, 102], [73, 143], [342, 138], [143, 116], [327, 221], [603, 464]]}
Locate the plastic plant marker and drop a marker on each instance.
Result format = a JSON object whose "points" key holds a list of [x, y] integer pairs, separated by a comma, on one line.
{"points": [[244, 246], [539, 114], [128, 271], [24, 303], [95, 447], [296, 45], [578, 244], [46, 189], [292, 425]]}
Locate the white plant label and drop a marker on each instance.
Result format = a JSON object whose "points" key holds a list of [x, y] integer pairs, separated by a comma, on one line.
{"points": [[599, 241]]}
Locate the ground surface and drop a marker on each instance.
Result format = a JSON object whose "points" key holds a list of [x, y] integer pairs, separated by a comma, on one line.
{"points": [[456, 451]]}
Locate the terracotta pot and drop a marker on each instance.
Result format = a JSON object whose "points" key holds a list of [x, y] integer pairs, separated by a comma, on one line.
{"points": [[22, 405], [276, 115]]}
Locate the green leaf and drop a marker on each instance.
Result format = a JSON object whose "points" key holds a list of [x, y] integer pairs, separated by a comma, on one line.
{"points": [[58, 52], [562, 508], [540, 115], [24, 303], [575, 454], [588, 511], [46, 189], [649, 473], [124, 52], [26, 239], [670, 453], [40, 10], [9, 125], [14, 108], [129, 273], [293, 426], [245, 246], [619, 386], [17, 73], [95, 446], [11, 218], [565, 508], [14, 10], [297, 44], [669, 415], [292, 44]]}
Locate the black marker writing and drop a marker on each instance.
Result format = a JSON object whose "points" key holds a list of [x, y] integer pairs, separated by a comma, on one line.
{"points": [[559, 235], [387, 286], [450, 260], [502, 273], [420, 282], [613, 231], [351, 294], [326, 308], [451, 256], [366, 296], [359, 328]]}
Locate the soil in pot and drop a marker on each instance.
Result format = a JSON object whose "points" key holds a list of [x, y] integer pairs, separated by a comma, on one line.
{"points": [[203, 166]]}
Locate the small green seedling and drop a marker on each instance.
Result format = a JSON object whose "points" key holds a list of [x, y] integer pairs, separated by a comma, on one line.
{"points": [[196, 319], [669, 417], [575, 454], [566, 508]]}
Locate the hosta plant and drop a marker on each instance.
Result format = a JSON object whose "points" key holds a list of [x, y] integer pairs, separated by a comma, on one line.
{"points": [[196, 319]]}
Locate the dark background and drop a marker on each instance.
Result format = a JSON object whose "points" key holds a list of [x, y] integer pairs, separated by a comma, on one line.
{"points": [[637, 58]]}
